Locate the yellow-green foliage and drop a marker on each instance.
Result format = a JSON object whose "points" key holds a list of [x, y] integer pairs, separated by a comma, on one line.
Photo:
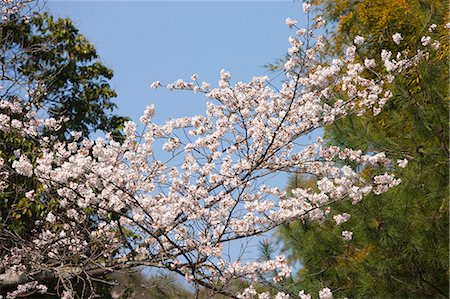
{"points": [[378, 20]]}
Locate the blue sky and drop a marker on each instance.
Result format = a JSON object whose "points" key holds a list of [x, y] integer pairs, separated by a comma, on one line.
{"points": [[145, 41]]}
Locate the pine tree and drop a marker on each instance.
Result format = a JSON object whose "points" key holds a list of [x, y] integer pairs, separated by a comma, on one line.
{"points": [[400, 240]]}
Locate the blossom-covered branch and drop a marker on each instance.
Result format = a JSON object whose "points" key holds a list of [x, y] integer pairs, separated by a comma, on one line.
{"points": [[120, 205]]}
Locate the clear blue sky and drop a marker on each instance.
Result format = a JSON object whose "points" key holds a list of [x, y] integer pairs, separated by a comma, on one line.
{"points": [[145, 41]]}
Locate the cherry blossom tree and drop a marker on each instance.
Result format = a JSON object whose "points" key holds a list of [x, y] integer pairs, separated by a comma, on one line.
{"points": [[122, 205]]}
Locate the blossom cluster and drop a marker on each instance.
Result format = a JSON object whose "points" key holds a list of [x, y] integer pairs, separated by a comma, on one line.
{"points": [[13, 9], [27, 289], [251, 293]]}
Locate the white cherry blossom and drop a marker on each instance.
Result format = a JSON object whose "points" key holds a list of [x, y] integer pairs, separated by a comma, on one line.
{"points": [[173, 195]]}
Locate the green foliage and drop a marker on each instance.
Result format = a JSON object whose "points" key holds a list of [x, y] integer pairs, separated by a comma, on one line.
{"points": [[55, 54], [400, 246]]}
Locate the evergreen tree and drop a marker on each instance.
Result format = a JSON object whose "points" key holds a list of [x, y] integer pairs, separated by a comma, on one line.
{"points": [[400, 246]]}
